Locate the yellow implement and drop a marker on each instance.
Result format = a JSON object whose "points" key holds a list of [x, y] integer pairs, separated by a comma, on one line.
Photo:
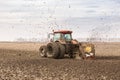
{"points": [[88, 49]]}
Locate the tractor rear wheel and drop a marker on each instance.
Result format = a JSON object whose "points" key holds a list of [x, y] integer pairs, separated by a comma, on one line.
{"points": [[62, 50], [53, 50], [42, 51]]}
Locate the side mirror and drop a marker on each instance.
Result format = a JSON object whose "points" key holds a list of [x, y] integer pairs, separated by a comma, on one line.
{"points": [[51, 40], [50, 37]]}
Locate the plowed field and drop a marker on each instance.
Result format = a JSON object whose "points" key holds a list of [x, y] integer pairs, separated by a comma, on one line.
{"points": [[21, 61]]}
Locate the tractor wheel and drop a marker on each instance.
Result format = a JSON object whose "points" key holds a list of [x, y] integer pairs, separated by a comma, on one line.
{"points": [[62, 50], [43, 50], [53, 50]]}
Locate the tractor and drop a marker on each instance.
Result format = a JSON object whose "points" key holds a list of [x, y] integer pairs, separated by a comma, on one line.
{"points": [[62, 44]]}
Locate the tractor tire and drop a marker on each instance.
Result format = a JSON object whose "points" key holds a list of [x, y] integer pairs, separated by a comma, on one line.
{"points": [[62, 50], [42, 51], [53, 50]]}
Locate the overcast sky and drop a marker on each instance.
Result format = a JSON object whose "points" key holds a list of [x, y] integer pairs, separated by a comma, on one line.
{"points": [[34, 18]]}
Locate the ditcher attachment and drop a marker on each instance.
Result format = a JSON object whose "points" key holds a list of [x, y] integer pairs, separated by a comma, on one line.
{"points": [[87, 50]]}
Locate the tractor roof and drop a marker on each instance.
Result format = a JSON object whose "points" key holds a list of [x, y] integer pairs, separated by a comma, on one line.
{"points": [[63, 31]]}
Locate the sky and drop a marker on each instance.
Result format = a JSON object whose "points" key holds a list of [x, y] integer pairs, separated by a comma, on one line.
{"points": [[36, 18]]}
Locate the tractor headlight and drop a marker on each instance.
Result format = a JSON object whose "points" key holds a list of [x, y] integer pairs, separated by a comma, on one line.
{"points": [[88, 49]]}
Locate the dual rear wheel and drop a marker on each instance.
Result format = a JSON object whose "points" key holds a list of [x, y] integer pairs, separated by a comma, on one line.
{"points": [[54, 50]]}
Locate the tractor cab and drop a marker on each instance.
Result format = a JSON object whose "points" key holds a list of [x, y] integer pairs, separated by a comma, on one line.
{"points": [[63, 35]]}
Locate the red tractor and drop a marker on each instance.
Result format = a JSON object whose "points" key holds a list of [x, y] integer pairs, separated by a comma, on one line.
{"points": [[62, 45]]}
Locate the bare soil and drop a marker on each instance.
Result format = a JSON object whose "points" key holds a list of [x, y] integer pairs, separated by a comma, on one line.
{"points": [[21, 61]]}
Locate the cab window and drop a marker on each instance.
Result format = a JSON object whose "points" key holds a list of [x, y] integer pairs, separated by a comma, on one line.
{"points": [[67, 37], [57, 36]]}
